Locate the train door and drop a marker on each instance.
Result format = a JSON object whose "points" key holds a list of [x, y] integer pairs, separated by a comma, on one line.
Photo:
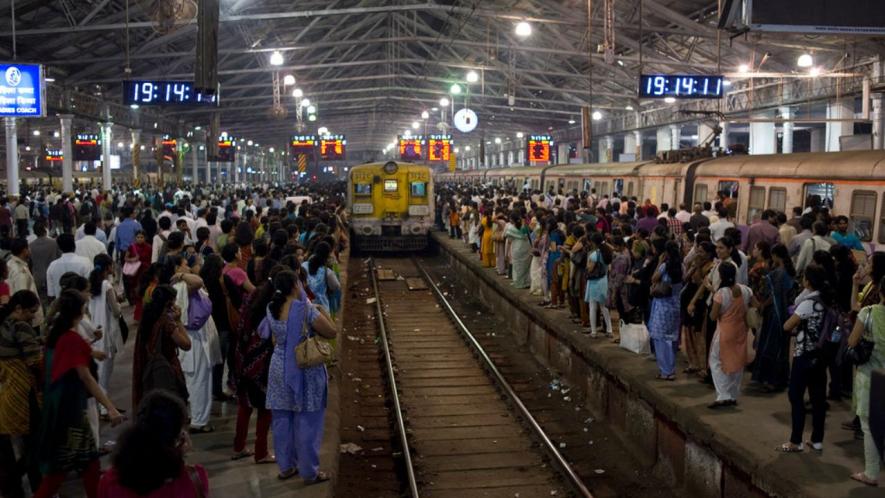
{"points": [[862, 213], [618, 188], [729, 189], [677, 183], [819, 194], [755, 203]]}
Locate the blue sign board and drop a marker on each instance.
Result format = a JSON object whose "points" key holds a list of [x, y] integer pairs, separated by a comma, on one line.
{"points": [[21, 90]]}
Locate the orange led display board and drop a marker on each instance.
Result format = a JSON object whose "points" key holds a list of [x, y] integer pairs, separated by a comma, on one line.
{"points": [[539, 148], [332, 147], [439, 147], [411, 148]]}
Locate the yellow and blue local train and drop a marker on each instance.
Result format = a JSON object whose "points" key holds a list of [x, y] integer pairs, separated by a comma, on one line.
{"points": [[391, 206]]}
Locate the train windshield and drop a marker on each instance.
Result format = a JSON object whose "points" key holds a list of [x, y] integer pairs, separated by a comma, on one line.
{"points": [[390, 186], [362, 188], [419, 189]]}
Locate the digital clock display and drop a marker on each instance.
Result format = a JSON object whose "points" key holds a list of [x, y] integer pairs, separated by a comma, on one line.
{"points": [[141, 92], [680, 86]]}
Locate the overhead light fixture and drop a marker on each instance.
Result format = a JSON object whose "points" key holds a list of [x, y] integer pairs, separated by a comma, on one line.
{"points": [[202, 147], [467, 148], [415, 125], [323, 130], [288, 80], [726, 83], [305, 103], [814, 72], [198, 128], [620, 62], [36, 133], [249, 143], [472, 77], [49, 80], [571, 121], [443, 102], [119, 145], [142, 147], [520, 134], [407, 133], [276, 58], [425, 115], [596, 115], [743, 69], [523, 29], [311, 109], [455, 90], [133, 106], [269, 150], [27, 148], [669, 100], [56, 134], [497, 140], [629, 108], [297, 93], [805, 60]]}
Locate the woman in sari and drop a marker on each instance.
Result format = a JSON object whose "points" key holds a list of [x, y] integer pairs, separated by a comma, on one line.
{"points": [[539, 255], [500, 242], [618, 292], [556, 239], [139, 253], [663, 324], [772, 366], [728, 352], [21, 358], [520, 251], [694, 311], [487, 245], [105, 312], [66, 441]]}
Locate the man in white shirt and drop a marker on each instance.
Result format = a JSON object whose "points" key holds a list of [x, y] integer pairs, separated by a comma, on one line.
{"points": [[68, 262], [165, 228], [717, 230], [818, 242], [89, 246], [665, 208], [683, 215], [100, 234]]}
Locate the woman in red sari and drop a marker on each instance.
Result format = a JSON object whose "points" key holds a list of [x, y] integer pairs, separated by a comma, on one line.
{"points": [[138, 253]]}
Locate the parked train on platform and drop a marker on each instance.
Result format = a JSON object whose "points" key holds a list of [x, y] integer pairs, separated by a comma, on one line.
{"points": [[391, 206], [852, 183]]}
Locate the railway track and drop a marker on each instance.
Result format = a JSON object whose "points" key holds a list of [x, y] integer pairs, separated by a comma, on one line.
{"points": [[463, 431]]}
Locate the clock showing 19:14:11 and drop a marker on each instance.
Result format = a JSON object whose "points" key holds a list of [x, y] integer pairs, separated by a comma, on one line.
{"points": [[682, 86]]}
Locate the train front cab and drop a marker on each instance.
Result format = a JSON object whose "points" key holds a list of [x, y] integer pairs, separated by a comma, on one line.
{"points": [[392, 207]]}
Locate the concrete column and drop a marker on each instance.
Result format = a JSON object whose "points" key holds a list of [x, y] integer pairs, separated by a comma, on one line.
{"points": [[787, 141], [723, 137], [630, 144], [136, 153], [818, 140], [196, 173], [12, 187], [663, 139], [608, 149], [704, 132], [106, 138], [763, 138], [839, 109], [675, 136], [67, 162], [877, 114]]}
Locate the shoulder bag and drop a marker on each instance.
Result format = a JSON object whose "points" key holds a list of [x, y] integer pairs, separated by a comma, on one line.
{"points": [[861, 353], [312, 350], [159, 373]]}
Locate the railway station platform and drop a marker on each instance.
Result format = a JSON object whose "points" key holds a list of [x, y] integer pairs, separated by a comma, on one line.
{"points": [[728, 453]]}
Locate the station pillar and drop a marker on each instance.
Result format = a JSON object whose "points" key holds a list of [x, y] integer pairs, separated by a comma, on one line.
{"points": [[136, 153], [607, 149], [723, 137], [630, 143], [12, 158], [195, 172], [787, 141], [763, 138], [675, 136], [843, 111], [663, 139], [106, 137], [67, 159], [877, 115]]}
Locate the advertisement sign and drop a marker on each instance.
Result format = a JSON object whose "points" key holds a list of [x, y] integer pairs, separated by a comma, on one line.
{"points": [[22, 91]]}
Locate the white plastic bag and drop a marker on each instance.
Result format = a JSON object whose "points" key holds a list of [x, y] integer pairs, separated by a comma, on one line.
{"points": [[634, 337]]}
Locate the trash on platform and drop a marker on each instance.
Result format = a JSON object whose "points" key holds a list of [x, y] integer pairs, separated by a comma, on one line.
{"points": [[380, 448], [599, 471], [356, 379], [567, 398], [555, 385], [361, 428], [352, 338], [371, 300], [562, 445], [588, 420], [416, 330], [351, 448]]}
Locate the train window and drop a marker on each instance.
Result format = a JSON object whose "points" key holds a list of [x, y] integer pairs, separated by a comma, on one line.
{"points": [[777, 199], [390, 186], [619, 186], [819, 194], [362, 188], [700, 193], [757, 203], [862, 213], [419, 189], [587, 185], [629, 189], [729, 188]]}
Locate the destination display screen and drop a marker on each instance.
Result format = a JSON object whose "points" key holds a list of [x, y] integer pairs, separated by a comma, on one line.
{"points": [[332, 147], [227, 150], [439, 147], [539, 148], [21, 90], [680, 86], [302, 144], [86, 147], [411, 148]]}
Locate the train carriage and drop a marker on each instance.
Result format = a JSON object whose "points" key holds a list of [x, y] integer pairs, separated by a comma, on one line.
{"points": [[391, 206], [621, 178]]}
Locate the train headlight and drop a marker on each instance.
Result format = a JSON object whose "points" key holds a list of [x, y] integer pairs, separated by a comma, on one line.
{"points": [[417, 229], [367, 230]]}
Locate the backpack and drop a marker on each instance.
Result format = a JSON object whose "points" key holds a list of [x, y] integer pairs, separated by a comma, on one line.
{"points": [[607, 254], [835, 326]]}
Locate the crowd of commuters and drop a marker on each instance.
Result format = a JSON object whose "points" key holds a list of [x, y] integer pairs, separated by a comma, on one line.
{"points": [[224, 283], [787, 299]]}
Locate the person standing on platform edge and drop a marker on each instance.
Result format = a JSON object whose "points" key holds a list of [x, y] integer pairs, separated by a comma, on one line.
{"points": [[728, 352], [663, 324], [296, 395], [66, 440]]}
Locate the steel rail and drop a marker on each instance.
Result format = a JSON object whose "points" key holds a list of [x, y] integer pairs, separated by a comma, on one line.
{"points": [[567, 469], [400, 423]]}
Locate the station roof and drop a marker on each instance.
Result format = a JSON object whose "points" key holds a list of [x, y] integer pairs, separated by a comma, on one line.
{"points": [[372, 66]]}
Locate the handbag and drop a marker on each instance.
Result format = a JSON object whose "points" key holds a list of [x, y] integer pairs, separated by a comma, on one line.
{"points": [[661, 289], [199, 309], [863, 351], [754, 319], [130, 268], [634, 337], [312, 350]]}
